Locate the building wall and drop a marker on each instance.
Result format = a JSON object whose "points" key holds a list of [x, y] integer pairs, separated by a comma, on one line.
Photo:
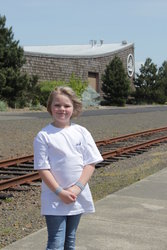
{"points": [[52, 67]]}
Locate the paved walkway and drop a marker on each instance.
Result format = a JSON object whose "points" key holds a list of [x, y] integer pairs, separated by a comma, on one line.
{"points": [[134, 218]]}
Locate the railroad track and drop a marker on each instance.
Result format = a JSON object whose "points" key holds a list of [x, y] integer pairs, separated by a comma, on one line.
{"points": [[18, 171]]}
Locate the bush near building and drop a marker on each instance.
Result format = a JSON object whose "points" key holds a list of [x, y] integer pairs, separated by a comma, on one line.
{"points": [[116, 85], [47, 86]]}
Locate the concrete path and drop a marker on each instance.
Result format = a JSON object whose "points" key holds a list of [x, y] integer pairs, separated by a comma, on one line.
{"points": [[134, 218]]}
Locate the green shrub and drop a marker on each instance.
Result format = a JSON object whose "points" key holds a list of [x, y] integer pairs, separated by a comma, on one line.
{"points": [[77, 85], [37, 107], [3, 106], [46, 87]]}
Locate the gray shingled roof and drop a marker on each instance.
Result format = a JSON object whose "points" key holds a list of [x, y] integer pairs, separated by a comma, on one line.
{"points": [[92, 49]]}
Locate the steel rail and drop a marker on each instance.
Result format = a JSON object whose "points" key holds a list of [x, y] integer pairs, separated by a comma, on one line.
{"points": [[29, 158], [27, 178], [132, 148], [14, 161], [124, 137], [35, 176]]}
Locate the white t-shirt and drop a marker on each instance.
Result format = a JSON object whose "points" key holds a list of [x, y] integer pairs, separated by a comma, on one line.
{"points": [[65, 152]]}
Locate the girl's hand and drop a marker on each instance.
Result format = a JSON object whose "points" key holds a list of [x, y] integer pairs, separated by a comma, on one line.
{"points": [[67, 196], [74, 189]]}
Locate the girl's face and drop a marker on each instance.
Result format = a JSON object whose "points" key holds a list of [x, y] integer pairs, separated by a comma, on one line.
{"points": [[62, 110]]}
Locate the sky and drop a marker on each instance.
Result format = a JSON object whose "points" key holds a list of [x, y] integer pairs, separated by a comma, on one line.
{"points": [[66, 22]]}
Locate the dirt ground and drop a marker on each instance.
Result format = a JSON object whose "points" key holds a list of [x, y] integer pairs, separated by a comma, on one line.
{"points": [[20, 214]]}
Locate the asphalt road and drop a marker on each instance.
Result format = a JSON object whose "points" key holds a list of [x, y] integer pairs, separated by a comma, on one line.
{"points": [[93, 112]]}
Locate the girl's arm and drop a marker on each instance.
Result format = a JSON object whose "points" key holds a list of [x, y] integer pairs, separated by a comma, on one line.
{"points": [[87, 174], [84, 178], [66, 196]]}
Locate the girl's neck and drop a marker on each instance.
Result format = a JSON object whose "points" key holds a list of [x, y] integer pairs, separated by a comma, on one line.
{"points": [[61, 125]]}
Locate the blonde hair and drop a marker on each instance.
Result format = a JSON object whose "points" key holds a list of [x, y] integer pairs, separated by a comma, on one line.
{"points": [[77, 104]]}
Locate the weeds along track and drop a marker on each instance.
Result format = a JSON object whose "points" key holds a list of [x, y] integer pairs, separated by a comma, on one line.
{"points": [[18, 171]]}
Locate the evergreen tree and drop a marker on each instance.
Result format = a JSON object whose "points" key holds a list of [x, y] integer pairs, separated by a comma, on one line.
{"points": [[116, 85], [148, 87], [145, 82], [13, 83], [162, 77]]}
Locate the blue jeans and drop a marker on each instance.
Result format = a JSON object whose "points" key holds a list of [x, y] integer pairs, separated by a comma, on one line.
{"points": [[62, 231]]}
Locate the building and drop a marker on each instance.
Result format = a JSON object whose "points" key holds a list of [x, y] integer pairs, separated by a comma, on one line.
{"points": [[88, 62]]}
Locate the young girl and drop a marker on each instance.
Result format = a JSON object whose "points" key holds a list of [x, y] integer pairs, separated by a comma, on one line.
{"points": [[65, 155]]}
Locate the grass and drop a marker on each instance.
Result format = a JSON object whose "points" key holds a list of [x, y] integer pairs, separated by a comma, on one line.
{"points": [[119, 175], [6, 231], [7, 200]]}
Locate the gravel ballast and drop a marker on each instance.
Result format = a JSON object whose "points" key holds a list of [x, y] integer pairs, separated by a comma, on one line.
{"points": [[20, 213]]}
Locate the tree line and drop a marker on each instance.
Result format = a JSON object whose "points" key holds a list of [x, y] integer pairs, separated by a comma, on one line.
{"points": [[18, 89]]}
